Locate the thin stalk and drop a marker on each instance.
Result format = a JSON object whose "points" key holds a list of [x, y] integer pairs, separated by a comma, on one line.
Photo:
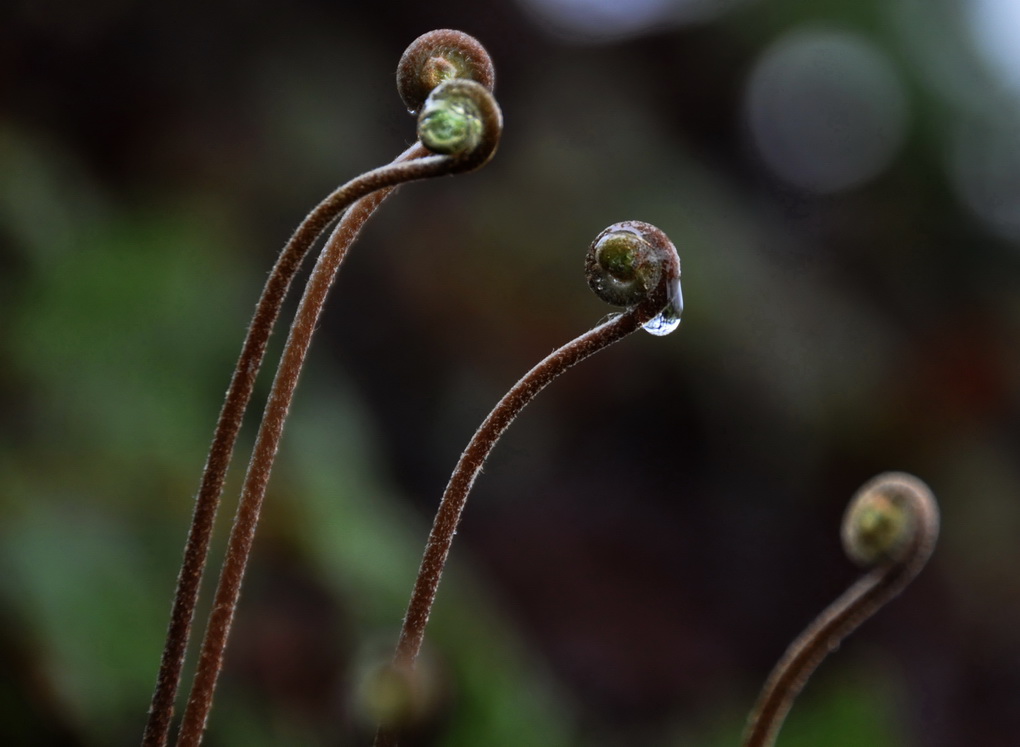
{"points": [[801, 659], [470, 464], [271, 428], [228, 425], [461, 122], [632, 264], [893, 521], [473, 458]]}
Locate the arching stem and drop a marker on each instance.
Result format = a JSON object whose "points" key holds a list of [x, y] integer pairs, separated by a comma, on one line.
{"points": [[470, 464], [228, 425], [271, 428], [801, 659], [857, 604]]}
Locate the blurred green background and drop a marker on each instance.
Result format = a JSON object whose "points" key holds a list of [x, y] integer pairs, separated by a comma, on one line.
{"points": [[842, 180]]}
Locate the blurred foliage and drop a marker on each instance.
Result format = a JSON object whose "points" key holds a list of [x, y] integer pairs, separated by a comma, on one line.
{"points": [[656, 528], [131, 308]]}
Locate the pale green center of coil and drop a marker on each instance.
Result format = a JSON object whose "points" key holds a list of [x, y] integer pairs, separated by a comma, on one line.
{"points": [[879, 530], [618, 257], [449, 127]]}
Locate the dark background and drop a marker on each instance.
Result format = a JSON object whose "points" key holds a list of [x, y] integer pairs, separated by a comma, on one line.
{"points": [[842, 180]]}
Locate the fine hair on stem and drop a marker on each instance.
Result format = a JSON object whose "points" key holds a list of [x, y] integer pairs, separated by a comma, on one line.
{"points": [[458, 130], [631, 264]]}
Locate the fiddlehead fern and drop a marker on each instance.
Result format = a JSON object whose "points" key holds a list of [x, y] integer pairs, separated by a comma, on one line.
{"points": [[439, 56], [464, 149], [628, 250], [461, 119], [891, 524], [633, 263]]}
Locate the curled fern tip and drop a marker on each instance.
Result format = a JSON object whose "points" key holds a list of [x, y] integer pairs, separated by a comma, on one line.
{"points": [[439, 56], [634, 264], [886, 519], [462, 119]]}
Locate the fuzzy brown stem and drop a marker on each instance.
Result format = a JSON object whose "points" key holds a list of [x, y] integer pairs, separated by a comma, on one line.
{"points": [[842, 617], [210, 660], [217, 463], [470, 464], [271, 429]]}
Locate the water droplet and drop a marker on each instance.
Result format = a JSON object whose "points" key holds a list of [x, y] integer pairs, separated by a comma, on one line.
{"points": [[669, 318], [663, 324]]}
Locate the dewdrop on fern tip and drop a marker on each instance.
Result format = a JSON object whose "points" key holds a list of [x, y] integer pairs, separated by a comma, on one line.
{"points": [[632, 263], [669, 319]]}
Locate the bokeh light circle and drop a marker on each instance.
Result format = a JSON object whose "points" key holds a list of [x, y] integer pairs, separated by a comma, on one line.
{"points": [[825, 109]]}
